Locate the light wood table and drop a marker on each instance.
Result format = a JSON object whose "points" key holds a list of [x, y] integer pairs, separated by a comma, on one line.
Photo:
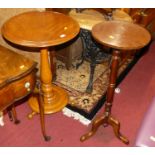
{"points": [[43, 30], [122, 37]]}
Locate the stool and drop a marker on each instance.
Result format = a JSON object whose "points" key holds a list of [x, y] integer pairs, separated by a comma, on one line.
{"points": [[17, 79], [122, 37]]}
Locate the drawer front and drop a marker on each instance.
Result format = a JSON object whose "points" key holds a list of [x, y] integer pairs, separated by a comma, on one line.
{"points": [[16, 90], [24, 86]]}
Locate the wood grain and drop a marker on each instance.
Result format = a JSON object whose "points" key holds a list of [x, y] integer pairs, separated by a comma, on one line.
{"points": [[40, 29], [121, 35], [15, 72], [13, 66]]}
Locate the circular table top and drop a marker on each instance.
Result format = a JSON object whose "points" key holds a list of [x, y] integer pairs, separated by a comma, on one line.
{"points": [[40, 29], [121, 35]]}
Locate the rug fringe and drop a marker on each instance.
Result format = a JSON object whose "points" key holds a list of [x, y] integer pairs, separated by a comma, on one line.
{"points": [[76, 116]]}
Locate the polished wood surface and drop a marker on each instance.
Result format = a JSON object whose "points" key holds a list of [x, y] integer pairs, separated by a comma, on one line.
{"points": [[121, 35], [43, 29], [17, 79], [13, 66], [16, 89], [121, 15], [55, 98], [143, 16], [87, 18], [40, 29]]}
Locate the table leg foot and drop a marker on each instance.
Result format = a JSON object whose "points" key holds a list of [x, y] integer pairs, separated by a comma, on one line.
{"points": [[42, 119], [30, 116], [116, 127], [105, 120], [17, 121], [12, 115], [47, 138], [95, 125]]}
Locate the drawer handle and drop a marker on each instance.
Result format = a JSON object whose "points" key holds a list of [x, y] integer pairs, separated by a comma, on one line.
{"points": [[27, 86]]}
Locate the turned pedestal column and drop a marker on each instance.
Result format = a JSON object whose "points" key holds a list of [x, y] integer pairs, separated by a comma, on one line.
{"points": [[43, 30], [122, 37]]}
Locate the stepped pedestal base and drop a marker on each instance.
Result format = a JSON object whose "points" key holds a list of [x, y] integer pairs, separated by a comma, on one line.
{"points": [[58, 102]]}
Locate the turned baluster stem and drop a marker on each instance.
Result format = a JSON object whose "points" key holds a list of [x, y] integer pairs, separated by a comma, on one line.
{"points": [[112, 82], [46, 76]]}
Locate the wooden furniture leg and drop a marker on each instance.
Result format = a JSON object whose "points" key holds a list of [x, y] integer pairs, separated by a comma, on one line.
{"points": [[50, 100], [53, 64], [107, 119], [13, 115], [42, 119], [55, 98], [46, 88], [46, 77]]}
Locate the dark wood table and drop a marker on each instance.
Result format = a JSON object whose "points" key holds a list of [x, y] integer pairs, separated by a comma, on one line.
{"points": [[43, 30], [122, 37]]}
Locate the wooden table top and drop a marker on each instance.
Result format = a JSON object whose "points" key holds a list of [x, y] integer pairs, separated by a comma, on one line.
{"points": [[121, 35], [40, 29], [13, 66]]}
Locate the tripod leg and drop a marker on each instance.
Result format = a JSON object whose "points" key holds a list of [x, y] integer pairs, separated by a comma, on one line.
{"points": [[41, 108], [116, 127], [106, 119], [95, 125]]}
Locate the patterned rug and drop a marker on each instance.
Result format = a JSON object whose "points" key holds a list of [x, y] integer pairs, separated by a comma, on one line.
{"points": [[83, 106]]}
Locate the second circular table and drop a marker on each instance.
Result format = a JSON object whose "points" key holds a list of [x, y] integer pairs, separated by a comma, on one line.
{"points": [[122, 37]]}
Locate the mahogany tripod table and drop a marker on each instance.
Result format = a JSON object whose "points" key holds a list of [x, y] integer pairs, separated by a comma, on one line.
{"points": [[122, 37], [43, 30]]}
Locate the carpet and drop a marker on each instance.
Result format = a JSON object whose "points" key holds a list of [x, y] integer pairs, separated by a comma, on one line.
{"points": [[83, 106]]}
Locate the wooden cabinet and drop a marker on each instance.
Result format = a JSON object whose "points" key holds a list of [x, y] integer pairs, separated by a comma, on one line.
{"points": [[16, 90], [145, 17], [17, 77]]}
